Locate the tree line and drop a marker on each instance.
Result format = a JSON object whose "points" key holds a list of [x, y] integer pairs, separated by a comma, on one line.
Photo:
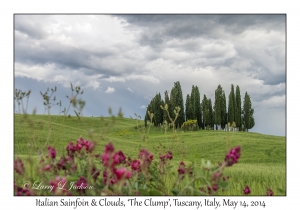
{"points": [[207, 115]]}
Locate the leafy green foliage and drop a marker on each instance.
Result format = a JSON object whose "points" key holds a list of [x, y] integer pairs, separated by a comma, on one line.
{"points": [[190, 125], [154, 107]]}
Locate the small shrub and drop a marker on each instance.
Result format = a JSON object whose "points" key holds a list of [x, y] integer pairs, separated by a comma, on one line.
{"points": [[190, 125]]}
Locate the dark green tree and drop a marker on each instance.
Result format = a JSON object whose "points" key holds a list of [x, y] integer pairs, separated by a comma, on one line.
{"points": [[158, 113], [238, 108], [204, 108], [220, 108], [167, 101], [197, 106], [210, 119], [188, 108], [193, 100], [176, 99], [224, 114], [208, 122], [154, 107], [248, 112], [231, 105]]}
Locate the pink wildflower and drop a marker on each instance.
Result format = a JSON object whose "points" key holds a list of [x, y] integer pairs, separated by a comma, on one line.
{"points": [[122, 173], [51, 152], [19, 166], [232, 156], [247, 190], [135, 165], [269, 192]]}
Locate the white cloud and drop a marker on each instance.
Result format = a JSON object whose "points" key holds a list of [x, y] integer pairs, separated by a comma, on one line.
{"points": [[273, 102], [130, 89], [110, 90], [52, 73], [115, 79], [147, 78], [143, 107]]}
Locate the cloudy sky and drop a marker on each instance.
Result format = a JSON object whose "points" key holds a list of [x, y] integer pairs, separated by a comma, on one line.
{"points": [[124, 60]]}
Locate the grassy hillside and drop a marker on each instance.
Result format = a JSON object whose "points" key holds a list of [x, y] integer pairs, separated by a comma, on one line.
{"points": [[262, 163]]}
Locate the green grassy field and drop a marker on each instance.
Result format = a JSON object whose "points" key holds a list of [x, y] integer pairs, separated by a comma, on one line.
{"points": [[262, 163]]}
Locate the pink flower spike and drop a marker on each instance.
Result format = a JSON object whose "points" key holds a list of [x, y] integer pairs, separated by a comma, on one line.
{"points": [[232, 156], [135, 165], [47, 167], [19, 166], [247, 190], [109, 148], [122, 173], [182, 164], [89, 146], [270, 192], [169, 155], [51, 152], [105, 158]]}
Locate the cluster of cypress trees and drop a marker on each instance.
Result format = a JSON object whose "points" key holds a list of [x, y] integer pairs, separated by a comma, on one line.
{"points": [[208, 116]]}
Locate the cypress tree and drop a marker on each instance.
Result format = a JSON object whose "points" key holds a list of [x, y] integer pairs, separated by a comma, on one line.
{"points": [[223, 110], [210, 121], [158, 112], [238, 108], [167, 101], [231, 105], [192, 98], [154, 107], [218, 106], [248, 113], [172, 103], [177, 100], [208, 112], [204, 107], [197, 107], [188, 108]]}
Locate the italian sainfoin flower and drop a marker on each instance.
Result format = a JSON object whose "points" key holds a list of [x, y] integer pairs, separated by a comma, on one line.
{"points": [[105, 177], [58, 185], [105, 159], [80, 143], [247, 190], [136, 165], [89, 146], [81, 184], [119, 157], [122, 173], [109, 148], [181, 169], [232, 156], [169, 155], [269, 192], [19, 166], [95, 173], [19, 191], [51, 152], [71, 149], [145, 156]]}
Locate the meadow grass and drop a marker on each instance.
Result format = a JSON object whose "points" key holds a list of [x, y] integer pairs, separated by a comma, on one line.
{"points": [[262, 163]]}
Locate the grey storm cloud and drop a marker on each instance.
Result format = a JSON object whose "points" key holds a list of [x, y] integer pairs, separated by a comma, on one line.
{"points": [[188, 26], [219, 43]]}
